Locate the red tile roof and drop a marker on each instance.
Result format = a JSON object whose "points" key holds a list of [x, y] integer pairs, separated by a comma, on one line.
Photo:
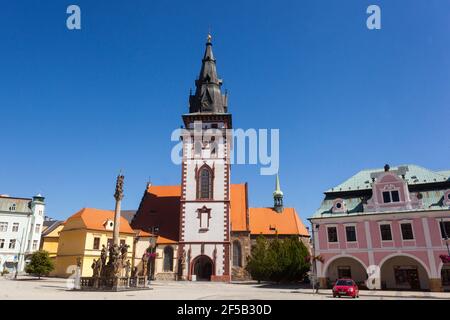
{"points": [[162, 240], [269, 222], [94, 219], [141, 233], [238, 207], [160, 206]]}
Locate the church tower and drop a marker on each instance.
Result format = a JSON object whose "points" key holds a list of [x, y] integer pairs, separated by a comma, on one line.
{"points": [[278, 196], [204, 250]]}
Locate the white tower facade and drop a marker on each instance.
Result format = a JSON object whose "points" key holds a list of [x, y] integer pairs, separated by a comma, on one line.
{"points": [[205, 193]]}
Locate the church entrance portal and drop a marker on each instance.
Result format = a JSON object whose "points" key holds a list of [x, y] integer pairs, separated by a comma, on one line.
{"points": [[202, 268]]}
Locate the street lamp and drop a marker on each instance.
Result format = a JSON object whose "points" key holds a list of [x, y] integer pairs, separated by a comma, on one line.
{"points": [[313, 258]]}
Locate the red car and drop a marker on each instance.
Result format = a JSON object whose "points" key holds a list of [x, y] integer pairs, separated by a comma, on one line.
{"points": [[345, 287]]}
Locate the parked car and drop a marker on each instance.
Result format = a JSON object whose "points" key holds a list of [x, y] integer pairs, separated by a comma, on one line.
{"points": [[345, 287]]}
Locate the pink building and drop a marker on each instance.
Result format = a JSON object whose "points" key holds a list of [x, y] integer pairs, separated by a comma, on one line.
{"points": [[386, 229]]}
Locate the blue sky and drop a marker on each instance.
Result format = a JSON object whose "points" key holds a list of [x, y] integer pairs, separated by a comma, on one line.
{"points": [[77, 106]]}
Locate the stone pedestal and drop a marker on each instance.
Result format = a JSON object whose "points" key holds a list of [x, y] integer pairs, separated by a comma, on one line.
{"points": [[435, 285], [77, 280]]}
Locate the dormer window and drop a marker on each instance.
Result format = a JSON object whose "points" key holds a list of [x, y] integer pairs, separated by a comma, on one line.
{"points": [[12, 207], [391, 192], [109, 224], [391, 196], [338, 206], [447, 198]]}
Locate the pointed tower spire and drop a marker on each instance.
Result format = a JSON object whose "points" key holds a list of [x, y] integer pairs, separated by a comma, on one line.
{"points": [[278, 196], [208, 96]]}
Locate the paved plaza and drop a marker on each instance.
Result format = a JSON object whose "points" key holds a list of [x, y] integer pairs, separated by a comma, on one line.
{"points": [[57, 289]]}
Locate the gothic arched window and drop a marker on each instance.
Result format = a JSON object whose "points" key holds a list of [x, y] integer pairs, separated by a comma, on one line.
{"points": [[205, 183], [237, 254], [168, 258]]}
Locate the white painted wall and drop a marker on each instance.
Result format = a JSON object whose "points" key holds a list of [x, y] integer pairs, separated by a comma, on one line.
{"points": [[26, 235], [217, 222]]}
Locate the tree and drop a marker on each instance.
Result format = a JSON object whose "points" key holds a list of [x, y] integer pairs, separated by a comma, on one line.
{"points": [[297, 257], [279, 260], [40, 264], [257, 263]]}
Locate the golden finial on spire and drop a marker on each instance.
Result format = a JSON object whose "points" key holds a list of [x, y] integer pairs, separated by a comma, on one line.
{"points": [[209, 37]]}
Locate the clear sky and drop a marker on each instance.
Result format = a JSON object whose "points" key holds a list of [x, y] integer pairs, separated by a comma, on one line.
{"points": [[77, 106]]}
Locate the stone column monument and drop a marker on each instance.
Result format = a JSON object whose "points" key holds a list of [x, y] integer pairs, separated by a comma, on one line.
{"points": [[118, 195]]}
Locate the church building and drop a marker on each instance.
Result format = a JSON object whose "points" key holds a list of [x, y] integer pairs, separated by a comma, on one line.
{"points": [[204, 226]]}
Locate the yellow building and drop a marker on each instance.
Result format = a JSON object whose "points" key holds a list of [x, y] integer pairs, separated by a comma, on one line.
{"points": [[50, 239], [83, 236]]}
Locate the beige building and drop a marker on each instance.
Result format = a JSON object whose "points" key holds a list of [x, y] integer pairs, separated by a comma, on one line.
{"points": [[50, 238], [86, 232]]}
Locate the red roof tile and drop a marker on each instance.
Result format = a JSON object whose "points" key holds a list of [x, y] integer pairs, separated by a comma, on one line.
{"points": [[94, 219], [268, 221], [160, 206], [238, 205]]}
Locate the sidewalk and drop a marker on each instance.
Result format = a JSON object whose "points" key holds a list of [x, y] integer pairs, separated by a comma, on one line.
{"points": [[387, 294]]}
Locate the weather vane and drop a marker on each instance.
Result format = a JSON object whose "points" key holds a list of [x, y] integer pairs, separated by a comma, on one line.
{"points": [[209, 34]]}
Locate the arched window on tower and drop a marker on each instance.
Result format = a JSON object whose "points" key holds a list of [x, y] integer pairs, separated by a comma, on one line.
{"points": [[205, 183], [168, 259], [237, 254]]}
